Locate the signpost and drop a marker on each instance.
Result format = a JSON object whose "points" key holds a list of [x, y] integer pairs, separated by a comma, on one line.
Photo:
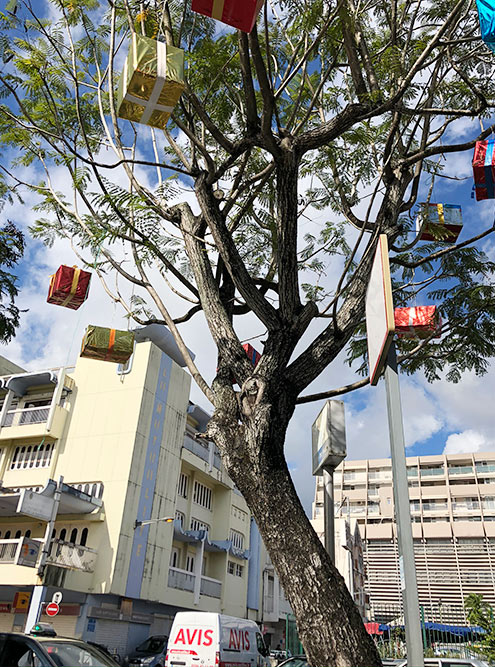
{"points": [[52, 609], [329, 449], [381, 354]]}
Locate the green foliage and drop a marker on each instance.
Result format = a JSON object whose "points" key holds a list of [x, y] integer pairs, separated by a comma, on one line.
{"points": [[11, 251], [479, 612]]}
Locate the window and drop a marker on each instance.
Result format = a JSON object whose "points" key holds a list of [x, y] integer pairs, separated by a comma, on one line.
{"points": [[196, 524], [237, 539], [73, 536], [32, 456], [202, 495], [183, 484], [28, 533], [63, 533], [181, 517], [84, 537], [7, 535], [190, 563], [17, 535], [174, 557]]}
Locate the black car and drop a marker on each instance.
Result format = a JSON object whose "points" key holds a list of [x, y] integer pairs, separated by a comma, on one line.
{"points": [[151, 653], [19, 650]]}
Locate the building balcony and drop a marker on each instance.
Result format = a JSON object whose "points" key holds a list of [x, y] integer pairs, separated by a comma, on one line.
{"points": [[206, 451], [466, 507], [185, 580], [9, 550], [460, 470], [72, 556], [34, 423]]}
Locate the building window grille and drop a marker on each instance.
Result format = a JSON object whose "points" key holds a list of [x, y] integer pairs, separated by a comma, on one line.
{"points": [[237, 539], [174, 558], [202, 495], [180, 517], [235, 569], [196, 524], [190, 563], [32, 456], [183, 484]]}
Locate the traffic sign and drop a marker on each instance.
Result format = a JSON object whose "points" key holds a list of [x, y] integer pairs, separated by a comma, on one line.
{"points": [[52, 609]]}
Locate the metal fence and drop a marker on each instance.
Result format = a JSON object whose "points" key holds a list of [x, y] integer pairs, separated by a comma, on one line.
{"points": [[442, 634]]}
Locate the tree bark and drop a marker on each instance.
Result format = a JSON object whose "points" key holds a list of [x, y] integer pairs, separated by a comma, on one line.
{"points": [[329, 624]]}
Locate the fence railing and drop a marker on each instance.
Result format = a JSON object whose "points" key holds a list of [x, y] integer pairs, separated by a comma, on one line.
{"points": [[72, 556], [27, 416], [184, 580], [8, 550]]}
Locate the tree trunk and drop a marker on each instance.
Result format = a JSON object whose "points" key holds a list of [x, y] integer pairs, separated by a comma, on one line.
{"points": [[330, 627]]}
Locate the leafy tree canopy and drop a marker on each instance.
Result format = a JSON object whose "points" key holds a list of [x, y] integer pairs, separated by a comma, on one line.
{"points": [[343, 110], [11, 251]]}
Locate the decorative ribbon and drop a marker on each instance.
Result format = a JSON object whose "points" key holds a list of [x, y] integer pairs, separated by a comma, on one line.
{"points": [[151, 104], [111, 343], [217, 9], [73, 287]]}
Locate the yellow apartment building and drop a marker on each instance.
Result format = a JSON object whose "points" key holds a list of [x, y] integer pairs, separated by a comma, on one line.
{"points": [[119, 447]]}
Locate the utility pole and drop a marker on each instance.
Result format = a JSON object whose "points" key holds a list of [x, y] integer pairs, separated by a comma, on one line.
{"points": [[39, 590], [407, 567]]}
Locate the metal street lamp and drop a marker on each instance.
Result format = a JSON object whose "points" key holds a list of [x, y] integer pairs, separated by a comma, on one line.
{"points": [[167, 519]]}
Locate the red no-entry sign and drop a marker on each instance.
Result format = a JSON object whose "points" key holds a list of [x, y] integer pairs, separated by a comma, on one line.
{"points": [[52, 609]]}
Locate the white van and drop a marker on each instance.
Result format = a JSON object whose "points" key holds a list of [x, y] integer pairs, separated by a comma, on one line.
{"points": [[204, 639]]}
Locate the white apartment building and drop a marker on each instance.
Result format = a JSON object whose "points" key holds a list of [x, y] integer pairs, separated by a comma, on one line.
{"points": [[122, 445], [452, 499]]}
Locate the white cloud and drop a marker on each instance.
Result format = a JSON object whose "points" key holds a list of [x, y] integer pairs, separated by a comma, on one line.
{"points": [[468, 441]]}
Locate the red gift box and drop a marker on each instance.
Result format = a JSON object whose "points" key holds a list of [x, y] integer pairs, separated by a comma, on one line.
{"points": [[240, 14], [69, 287], [484, 169], [417, 322]]}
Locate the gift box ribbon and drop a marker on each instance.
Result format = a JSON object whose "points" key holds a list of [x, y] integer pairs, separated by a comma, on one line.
{"points": [[217, 9], [151, 104], [73, 287], [111, 343]]}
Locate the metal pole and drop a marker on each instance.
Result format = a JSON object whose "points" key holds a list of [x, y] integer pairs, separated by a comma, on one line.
{"points": [[328, 511], [39, 591], [415, 657]]}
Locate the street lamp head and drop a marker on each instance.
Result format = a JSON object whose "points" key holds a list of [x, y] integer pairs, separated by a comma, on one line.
{"points": [[165, 519]]}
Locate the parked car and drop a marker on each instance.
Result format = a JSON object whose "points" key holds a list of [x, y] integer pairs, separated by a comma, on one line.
{"points": [[448, 662], [151, 653], [46, 650], [295, 661]]}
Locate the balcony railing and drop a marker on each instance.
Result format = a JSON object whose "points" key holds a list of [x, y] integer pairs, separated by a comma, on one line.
{"points": [[72, 556], [27, 416], [184, 581], [211, 587], [461, 470], [431, 472], [203, 450], [466, 507], [486, 468], [8, 550]]}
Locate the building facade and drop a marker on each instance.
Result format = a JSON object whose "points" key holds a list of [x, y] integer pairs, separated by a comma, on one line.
{"points": [[452, 501], [119, 446]]}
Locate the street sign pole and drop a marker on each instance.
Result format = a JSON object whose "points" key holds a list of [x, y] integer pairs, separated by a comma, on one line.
{"points": [[39, 591], [407, 566], [328, 512]]}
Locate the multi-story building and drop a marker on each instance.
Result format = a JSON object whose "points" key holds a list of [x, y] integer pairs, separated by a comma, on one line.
{"points": [[121, 447], [452, 499]]}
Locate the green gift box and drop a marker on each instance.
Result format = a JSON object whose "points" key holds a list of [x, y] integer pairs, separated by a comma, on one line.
{"points": [[107, 344], [151, 83]]}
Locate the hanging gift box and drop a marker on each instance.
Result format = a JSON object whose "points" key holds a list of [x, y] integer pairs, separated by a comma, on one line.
{"points": [[240, 14], [69, 287], [418, 322], [443, 222], [484, 169], [107, 344], [486, 15], [151, 83]]}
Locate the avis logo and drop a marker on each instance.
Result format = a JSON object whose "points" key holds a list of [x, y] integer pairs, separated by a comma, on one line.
{"points": [[239, 640], [197, 637]]}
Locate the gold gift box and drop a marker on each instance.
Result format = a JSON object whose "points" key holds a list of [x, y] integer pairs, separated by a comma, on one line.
{"points": [[151, 83]]}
